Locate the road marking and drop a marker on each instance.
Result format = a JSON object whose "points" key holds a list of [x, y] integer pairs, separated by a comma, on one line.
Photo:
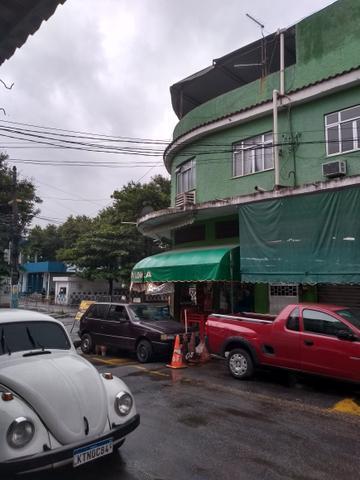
{"points": [[111, 361], [347, 405], [152, 372]]}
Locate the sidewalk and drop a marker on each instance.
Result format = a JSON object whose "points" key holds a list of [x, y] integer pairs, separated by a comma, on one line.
{"points": [[58, 311]]}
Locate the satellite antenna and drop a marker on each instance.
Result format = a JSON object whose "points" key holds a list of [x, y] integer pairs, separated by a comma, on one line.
{"points": [[262, 64]]}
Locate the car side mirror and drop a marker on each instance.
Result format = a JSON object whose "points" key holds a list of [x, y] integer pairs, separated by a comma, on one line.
{"points": [[346, 335], [77, 343]]}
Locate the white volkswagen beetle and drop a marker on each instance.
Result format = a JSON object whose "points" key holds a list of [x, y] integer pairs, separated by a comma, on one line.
{"points": [[55, 408]]}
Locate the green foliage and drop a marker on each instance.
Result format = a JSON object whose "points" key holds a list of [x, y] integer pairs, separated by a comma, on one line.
{"points": [[27, 207], [109, 248], [47, 243]]}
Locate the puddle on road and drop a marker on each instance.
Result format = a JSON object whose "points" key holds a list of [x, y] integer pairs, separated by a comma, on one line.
{"points": [[193, 421]]}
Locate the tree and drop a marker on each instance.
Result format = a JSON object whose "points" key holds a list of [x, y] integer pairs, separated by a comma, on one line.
{"points": [[47, 243], [110, 248], [27, 202]]}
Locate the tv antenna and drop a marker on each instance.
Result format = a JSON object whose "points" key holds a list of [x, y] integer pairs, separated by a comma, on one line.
{"points": [[262, 63]]}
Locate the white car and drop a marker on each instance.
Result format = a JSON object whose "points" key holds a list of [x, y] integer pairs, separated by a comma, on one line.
{"points": [[55, 408]]}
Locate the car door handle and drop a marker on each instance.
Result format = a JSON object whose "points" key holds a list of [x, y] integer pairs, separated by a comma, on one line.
{"points": [[309, 343]]}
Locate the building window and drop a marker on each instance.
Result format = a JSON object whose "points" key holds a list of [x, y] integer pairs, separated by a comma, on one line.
{"points": [[253, 155], [194, 233], [342, 130], [227, 229], [185, 177]]}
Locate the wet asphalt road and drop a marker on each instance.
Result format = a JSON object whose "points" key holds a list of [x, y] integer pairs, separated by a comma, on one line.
{"points": [[200, 424]]}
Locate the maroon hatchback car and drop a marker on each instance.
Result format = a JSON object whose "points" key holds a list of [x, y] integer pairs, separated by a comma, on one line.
{"points": [[146, 329]]}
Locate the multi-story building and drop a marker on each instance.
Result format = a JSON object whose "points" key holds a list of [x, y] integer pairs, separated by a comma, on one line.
{"points": [[265, 169]]}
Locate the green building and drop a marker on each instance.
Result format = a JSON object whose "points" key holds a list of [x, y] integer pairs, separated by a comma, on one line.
{"points": [[265, 169]]}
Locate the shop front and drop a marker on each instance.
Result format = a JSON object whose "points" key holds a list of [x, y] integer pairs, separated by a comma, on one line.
{"points": [[200, 281]]}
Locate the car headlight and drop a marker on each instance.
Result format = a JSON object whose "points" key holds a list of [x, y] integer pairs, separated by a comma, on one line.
{"points": [[20, 432], [123, 403]]}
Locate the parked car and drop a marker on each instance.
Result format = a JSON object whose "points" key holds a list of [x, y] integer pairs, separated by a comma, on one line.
{"points": [[311, 338], [144, 328], [55, 408]]}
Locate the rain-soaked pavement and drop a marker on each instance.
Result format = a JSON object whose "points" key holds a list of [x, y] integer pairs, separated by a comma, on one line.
{"points": [[200, 424]]}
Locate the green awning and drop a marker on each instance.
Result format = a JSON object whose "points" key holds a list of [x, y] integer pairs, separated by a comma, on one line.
{"points": [[302, 239], [189, 265]]}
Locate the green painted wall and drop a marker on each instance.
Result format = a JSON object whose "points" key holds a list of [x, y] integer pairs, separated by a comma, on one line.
{"points": [[261, 298], [299, 165], [327, 43]]}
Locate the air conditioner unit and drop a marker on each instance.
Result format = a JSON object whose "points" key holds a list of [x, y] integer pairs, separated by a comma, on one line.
{"points": [[182, 200], [336, 168]]}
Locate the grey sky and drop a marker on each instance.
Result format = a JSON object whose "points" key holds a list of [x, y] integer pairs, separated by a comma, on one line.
{"points": [[105, 66]]}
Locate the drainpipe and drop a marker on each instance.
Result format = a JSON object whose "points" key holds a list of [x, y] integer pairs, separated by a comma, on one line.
{"points": [[276, 94], [276, 138]]}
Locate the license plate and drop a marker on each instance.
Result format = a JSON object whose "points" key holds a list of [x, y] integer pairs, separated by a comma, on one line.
{"points": [[92, 452]]}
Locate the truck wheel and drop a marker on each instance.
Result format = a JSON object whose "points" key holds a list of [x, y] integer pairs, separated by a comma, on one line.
{"points": [[240, 364], [144, 351], [87, 343]]}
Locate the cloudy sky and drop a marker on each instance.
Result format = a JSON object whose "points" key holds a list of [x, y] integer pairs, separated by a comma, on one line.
{"points": [[105, 67]]}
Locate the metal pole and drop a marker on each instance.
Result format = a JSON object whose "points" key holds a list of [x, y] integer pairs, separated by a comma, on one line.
{"points": [[14, 260]]}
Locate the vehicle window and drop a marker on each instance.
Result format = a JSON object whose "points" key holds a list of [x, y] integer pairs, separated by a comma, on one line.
{"points": [[17, 337], [322, 323], [117, 312], [98, 310], [293, 320], [352, 315], [151, 313]]}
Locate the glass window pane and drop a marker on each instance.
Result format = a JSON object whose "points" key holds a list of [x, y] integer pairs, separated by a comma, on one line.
{"points": [[237, 163], [186, 180], [268, 157], [333, 140], [258, 152], [347, 137], [248, 154], [350, 113], [332, 118], [318, 322], [268, 137]]}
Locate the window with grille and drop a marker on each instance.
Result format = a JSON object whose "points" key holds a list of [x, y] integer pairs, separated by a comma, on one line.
{"points": [[186, 177], [342, 130], [253, 155]]}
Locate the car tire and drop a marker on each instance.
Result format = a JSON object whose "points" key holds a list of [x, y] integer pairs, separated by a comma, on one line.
{"points": [[87, 343], [144, 351], [240, 364]]}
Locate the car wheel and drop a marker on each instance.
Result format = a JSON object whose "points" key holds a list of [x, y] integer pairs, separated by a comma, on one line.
{"points": [[240, 364], [144, 351], [87, 343]]}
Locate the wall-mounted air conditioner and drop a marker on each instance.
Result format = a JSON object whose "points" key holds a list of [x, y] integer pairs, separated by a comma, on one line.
{"points": [[182, 200], [335, 168]]}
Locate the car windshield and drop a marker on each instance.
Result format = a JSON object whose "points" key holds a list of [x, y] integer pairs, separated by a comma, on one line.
{"points": [[150, 313], [27, 336], [352, 315]]}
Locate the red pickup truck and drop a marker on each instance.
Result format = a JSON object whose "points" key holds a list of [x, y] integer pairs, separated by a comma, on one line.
{"points": [[313, 338]]}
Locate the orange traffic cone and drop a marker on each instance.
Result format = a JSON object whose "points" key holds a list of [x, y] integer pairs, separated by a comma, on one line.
{"points": [[177, 358]]}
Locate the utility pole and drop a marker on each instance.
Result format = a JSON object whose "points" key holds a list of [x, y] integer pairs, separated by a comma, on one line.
{"points": [[14, 250]]}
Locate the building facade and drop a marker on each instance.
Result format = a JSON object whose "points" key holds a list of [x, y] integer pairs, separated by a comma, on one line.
{"points": [[265, 165]]}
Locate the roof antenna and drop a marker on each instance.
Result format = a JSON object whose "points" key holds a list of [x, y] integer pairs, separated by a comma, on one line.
{"points": [[262, 64]]}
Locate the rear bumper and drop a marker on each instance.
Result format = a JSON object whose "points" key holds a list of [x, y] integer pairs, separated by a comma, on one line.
{"points": [[48, 458]]}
